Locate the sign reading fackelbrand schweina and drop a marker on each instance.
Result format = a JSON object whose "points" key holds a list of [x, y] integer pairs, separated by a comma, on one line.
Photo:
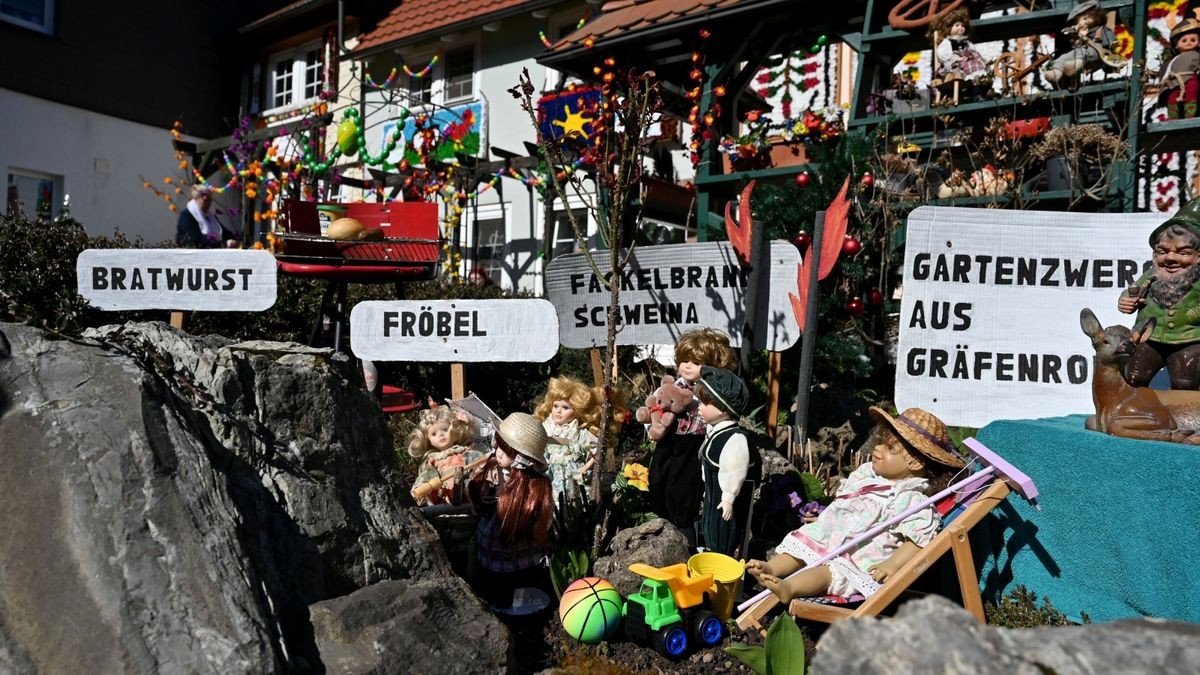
{"points": [[218, 280], [454, 330], [666, 290]]}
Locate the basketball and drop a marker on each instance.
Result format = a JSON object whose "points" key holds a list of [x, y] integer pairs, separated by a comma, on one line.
{"points": [[590, 610]]}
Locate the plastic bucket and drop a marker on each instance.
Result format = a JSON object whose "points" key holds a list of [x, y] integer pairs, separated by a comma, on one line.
{"points": [[727, 580], [326, 214]]}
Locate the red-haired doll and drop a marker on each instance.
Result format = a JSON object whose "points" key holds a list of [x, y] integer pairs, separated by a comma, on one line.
{"points": [[514, 498]]}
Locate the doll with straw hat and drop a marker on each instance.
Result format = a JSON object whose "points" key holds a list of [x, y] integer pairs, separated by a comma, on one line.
{"points": [[907, 451], [513, 496]]}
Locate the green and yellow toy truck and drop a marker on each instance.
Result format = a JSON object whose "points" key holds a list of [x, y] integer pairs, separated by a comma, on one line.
{"points": [[669, 611]]}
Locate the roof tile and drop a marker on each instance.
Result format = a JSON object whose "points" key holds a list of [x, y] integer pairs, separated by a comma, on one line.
{"points": [[414, 17], [623, 16]]}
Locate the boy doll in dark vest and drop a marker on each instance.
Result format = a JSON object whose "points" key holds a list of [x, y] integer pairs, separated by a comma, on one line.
{"points": [[730, 465]]}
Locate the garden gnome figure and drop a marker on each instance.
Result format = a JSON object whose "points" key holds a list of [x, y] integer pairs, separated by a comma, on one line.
{"points": [[1168, 292], [1180, 88], [1086, 25]]}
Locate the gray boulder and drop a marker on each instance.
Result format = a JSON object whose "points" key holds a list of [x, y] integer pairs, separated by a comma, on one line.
{"points": [[933, 635], [428, 626], [175, 503], [657, 543]]}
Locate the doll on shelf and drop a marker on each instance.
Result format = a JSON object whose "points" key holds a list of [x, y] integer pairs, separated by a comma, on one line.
{"points": [[1179, 86], [438, 442], [1091, 44], [957, 58], [676, 487], [512, 494], [570, 414], [909, 451], [730, 465]]}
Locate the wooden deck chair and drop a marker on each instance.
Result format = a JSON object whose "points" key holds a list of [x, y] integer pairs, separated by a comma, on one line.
{"points": [[980, 493], [952, 538]]}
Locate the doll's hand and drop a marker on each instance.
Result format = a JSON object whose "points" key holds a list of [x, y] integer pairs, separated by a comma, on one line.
{"points": [[726, 509]]}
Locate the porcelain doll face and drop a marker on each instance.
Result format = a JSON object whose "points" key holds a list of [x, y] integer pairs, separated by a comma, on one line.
{"points": [[1187, 43], [562, 412], [439, 436], [688, 370], [505, 455], [890, 459], [958, 29], [711, 414]]}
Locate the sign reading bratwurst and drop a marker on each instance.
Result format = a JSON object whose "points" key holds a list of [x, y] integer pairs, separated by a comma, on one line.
{"points": [[177, 279], [454, 330], [667, 290]]}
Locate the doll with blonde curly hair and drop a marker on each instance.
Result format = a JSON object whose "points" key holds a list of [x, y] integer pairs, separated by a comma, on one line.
{"points": [[438, 442], [570, 414]]}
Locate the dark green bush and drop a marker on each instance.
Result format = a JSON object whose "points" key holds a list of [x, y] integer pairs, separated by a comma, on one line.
{"points": [[1020, 609]]}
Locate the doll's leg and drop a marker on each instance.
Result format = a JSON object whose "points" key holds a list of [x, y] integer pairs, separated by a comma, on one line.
{"points": [[811, 581], [780, 565]]}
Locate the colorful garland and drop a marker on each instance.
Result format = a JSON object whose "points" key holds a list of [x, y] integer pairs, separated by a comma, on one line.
{"points": [[391, 78], [546, 41]]}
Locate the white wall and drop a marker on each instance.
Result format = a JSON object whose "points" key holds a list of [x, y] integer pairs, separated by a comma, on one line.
{"points": [[99, 159]]}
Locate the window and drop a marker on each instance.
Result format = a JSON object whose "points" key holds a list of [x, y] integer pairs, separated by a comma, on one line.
{"points": [[420, 89], [459, 74], [491, 248], [34, 14], [296, 77], [564, 239], [35, 194]]}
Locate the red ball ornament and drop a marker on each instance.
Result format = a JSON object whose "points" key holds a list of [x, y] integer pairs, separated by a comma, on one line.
{"points": [[803, 179], [868, 180], [855, 307], [875, 297], [851, 246], [802, 240]]}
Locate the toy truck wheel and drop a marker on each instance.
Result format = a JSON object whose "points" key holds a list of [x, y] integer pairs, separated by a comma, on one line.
{"points": [[671, 641], [706, 628]]}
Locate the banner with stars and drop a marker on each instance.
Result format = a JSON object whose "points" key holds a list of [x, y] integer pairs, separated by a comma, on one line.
{"points": [[568, 114]]}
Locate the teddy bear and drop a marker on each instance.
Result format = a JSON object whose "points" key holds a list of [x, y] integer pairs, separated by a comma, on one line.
{"points": [[663, 406]]}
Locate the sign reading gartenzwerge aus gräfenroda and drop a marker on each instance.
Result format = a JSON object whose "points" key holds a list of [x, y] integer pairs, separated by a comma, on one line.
{"points": [[214, 280], [668, 290], [989, 322], [464, 331]]}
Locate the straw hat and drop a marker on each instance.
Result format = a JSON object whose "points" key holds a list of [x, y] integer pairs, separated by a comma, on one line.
{"points": [[1184, 27], [924, 433], [524, 433]]}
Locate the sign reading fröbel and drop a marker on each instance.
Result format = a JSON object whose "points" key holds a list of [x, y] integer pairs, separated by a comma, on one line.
{"points": [[667, 290], [464, 331], [217, 280]]}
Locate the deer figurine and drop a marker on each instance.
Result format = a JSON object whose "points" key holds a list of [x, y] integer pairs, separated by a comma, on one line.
{"points": [[1128, 411]]}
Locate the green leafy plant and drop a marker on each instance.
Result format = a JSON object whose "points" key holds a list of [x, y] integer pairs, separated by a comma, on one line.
{"points": [[566, 567], [631, 495], [782, 653], [1020, 609]]}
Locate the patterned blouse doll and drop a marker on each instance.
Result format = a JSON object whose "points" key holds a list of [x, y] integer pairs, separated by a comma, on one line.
{"points": [[908, 450], [437, 443], [570, 414]]}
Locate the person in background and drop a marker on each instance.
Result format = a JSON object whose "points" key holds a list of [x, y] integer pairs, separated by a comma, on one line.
{"points": [[198, 226]]}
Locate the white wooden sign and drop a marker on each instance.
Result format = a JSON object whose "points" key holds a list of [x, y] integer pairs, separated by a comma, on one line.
{"points": [[216, 280], [667, 290], [989, 321], [464, 331]]}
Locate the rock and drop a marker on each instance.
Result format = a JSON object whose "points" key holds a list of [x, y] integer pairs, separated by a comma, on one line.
{"points": [[427, 626], [933, 635], [657, 543], [175, 503]]}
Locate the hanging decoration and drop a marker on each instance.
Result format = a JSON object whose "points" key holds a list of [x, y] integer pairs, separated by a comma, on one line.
{"points": [[579, 24], [787, 77], [568, 114], [391, 78], [702, 125]]}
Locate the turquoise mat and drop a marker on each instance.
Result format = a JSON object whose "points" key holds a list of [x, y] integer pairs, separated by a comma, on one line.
{"points": [[1119, 530]]}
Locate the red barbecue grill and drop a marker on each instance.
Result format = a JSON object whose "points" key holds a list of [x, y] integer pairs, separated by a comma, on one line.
{"points": [[408, 251]]}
